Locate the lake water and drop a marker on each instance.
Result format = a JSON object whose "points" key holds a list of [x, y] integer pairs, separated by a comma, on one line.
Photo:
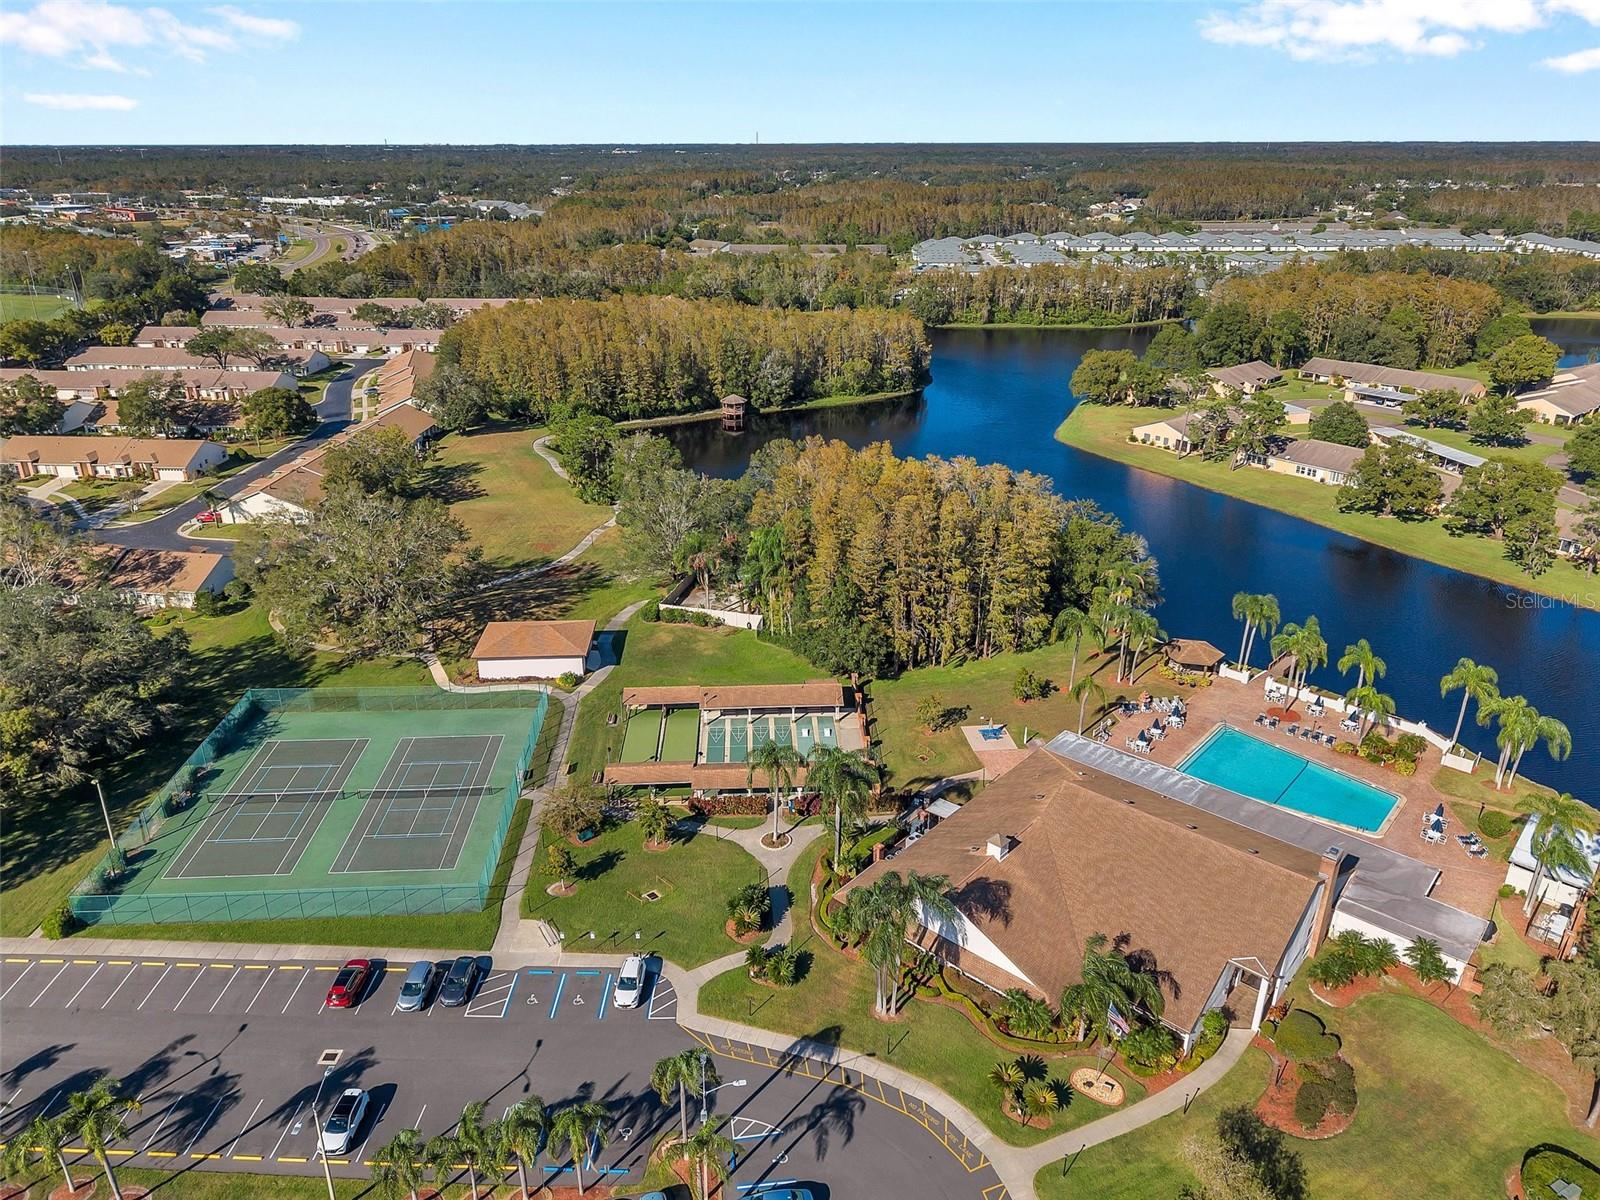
{"points": [[998, 396]]}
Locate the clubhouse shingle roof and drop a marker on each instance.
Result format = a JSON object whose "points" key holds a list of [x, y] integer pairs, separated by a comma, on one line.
{"points": [[534, 639]]}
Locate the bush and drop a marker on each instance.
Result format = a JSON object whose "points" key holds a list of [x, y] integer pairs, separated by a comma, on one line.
{"points": [[59, 922], [1494, 823], [859, 852], [573, 810], [568, 680], [1410, 746], [1302, 1037], [1342, 1085], [1375, 748], [1404, 766], [651, 611], [749, 907], [731, 805], [1506, 891], [1028, 686], [1345, 748], [1311, 1104], [1150, 1049]]}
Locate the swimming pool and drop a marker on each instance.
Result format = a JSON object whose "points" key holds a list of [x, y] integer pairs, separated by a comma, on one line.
{"points": [[1233, 759]]}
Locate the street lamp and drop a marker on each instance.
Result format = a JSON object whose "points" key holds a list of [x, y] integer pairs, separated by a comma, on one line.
{"points": [[316, 1121], [106, 813], [705, 1091]]}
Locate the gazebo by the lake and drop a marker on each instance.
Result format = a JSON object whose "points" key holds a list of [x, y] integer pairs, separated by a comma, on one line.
{"points": [[1191, 654], [733, 413]]}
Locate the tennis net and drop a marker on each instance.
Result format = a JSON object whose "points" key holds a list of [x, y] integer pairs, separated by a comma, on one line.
{"points": [[432, 795]]}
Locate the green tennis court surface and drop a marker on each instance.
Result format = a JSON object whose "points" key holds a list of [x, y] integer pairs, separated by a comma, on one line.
{"points": [[642, 737], [348, 804], [682, 737]]}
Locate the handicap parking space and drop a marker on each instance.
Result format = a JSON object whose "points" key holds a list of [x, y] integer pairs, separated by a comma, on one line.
{"points": [[568, 995]]}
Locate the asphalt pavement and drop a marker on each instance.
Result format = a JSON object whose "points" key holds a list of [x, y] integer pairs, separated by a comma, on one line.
{"points": [[162, 533], [234, 1061]]}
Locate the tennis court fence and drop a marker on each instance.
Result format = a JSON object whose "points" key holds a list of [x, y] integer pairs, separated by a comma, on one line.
{"points": [[109, 894]]}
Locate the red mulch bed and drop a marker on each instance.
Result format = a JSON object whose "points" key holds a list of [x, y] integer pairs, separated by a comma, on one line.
{"points": [[12, 1192], [1514, 1182], [61, 1193], [1276, 1106], [1344, 997], [744, 939], [658, 847], [1283, 714]]}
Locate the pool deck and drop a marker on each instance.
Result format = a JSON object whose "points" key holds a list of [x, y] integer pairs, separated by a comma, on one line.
{"points": [[995, 755], [1469, 884]]}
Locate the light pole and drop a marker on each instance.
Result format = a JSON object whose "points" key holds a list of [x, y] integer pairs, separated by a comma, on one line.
{"points": [[106, 813], [705, 1091], [316, 1122]]}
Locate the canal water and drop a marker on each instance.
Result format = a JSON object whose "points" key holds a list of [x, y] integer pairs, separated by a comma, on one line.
{"points": [[998, 395]]}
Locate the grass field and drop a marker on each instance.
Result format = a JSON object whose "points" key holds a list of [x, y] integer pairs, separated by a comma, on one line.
{"points": [[1104, 430], [1441, 1112], [982, 688], [515, 507], [833, 1004], [47, 847], [93, 495], [14, 307], [654, 654], [614, 871], [193, 1183]]}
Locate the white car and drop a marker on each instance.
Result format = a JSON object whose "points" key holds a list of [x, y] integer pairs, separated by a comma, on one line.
{"points": [[340, 1129], [630, 982]]}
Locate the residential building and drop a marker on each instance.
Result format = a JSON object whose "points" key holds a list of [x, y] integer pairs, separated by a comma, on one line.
{"points": [[175, 358], [1311, 458], [168, 578], [533, 649], [1571, 395], [1559, 892], [1369, 383], [109, 382], [1246, 378], [110, 457]]}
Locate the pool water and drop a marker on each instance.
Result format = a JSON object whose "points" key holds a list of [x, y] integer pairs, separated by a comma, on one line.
{"points": [[1233, 759]]}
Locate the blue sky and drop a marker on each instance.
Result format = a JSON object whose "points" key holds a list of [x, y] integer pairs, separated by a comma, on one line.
{"points": [[95, 71]]}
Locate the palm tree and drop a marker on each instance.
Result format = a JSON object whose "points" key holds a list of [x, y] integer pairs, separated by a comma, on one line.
{"points": [[1072, 624], [443, 1154], [401, 1167], [1476, 683], [1367, 701], [474, 1144], [1559, 819], [679, 1072], [780, 763], [1258, 610], [1516, 724], [844, 781], [1086, 689], [1557, 739], [1139, 633], [1369, 667], [1304, 644], [42, 1137], [882, 915], [580, 1126], [96, 1118], [707, 1154], [522, 1133], [1107, 978]]}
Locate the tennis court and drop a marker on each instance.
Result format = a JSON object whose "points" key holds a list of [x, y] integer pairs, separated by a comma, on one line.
{"points": [[311, 802], [682, 739]]}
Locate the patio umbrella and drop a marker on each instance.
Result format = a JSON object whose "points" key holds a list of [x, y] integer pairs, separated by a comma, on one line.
{"points": [[1438, 813], [1436, 825]]}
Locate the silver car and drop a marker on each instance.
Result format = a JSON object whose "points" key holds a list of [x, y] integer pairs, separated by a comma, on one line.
{"points": [[418, 987]]}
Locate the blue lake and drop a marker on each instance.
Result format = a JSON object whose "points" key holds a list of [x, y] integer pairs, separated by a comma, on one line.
{"points": [[998, 395]]}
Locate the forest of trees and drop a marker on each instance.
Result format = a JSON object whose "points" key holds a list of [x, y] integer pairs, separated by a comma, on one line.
{"points": [[634, 356], [1081, 293]]}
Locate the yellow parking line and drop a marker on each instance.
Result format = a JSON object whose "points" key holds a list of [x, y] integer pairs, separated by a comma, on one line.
{"points": [[257, 967], [247, 1158], [16, 960], [70, 1149], [162, 1153], [123, 1153], [186, 964], [194, 1154], [224, 966], [52, 960], [119, 962], [339, 1162], [283, 1159], [318, 968], [152, 964], [83, 962], [285, 968]]}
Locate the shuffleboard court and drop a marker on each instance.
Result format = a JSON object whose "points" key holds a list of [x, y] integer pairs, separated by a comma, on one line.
{"points": [[272, 811], [422, 805]]}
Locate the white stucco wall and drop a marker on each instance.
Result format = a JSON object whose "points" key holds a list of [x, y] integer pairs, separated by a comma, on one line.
{"points": [[528, 668]]}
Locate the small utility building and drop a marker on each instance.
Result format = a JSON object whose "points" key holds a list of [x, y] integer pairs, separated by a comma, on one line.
{"points": [[533, 649]]}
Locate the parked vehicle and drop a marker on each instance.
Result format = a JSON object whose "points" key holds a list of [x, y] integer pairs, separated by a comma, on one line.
{"points": [[349, 1110], [630, 982], [460, 982], [350, 983], [418, 986]]}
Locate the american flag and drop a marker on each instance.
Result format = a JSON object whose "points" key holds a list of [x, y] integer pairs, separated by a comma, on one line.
{"points": [[1117, 1022]]}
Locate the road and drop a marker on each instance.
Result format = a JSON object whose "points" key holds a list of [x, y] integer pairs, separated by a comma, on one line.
{"points": [[162, 533], [227, 1059]]}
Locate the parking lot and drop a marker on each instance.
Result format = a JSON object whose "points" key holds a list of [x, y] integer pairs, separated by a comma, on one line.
{"points": [[228, 1060]]}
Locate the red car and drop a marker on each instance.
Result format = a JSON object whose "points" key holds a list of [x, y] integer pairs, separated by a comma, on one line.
{"points": [[209, 516], [349, 983]]}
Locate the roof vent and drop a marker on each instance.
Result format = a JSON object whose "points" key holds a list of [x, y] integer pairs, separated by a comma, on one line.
{"points": [[1000, 845], [1192, 825], [1333, 852], [1253, 850]]}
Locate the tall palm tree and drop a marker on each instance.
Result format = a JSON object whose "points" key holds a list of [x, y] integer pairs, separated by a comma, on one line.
{"points": [[1107, 978], [1306, 645], [1072, 625], [883, 915], [42, 1137], [679, 1072], [1557, 739], [401, 1166], [707, 1153], [1369, 702], [1476, 682], [442, 1154], [1559, 819], [1139, 633], [1516, 723], [96, 1118], [1258, 610], [522, 1133], [844, 781], [1086, 689], [1368, 666], [580, 1126], [475, 1145], [780, 763]]}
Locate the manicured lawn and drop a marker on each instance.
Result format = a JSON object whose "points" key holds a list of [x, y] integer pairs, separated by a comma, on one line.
{"points": [[833, 1004], [1529, 452], [516, 508], [94, 494], [658, 654], [1478, 788], [1103, 430], [982, 688], [1442, 1112], [15, 307], [48, 846], [1508, 946], [614, 871]]}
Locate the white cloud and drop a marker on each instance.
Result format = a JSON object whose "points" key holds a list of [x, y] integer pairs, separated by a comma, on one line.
{"points": [[1589, 10], [77, 101], [1575, 63], [1357, 29], [98, 34]]}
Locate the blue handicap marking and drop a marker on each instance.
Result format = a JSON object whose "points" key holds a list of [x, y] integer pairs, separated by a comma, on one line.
{"points": [[605, 996], [556, 1003], [533, 996]]}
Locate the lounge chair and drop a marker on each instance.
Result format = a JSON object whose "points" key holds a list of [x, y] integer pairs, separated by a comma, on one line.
{"points": [[1292, 730], [1479, 852]]}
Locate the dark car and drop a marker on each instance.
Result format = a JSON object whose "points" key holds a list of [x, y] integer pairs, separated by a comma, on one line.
{"points": [[459, 982], [349, 983]]}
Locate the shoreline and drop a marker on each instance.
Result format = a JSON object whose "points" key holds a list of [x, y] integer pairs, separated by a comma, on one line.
{"points": [[714, 414], [1582, 594], [1574, 314], [1077, 325]]}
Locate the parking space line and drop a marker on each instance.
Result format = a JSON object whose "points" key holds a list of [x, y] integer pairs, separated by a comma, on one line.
{"points": [[21, 975], [560, 985], [372, 1126], [204, 1125], [53, 978], [266, 978], [154, 985], [605, 995], [198, 976], [118, 988], [234, 975], [245, 1129], [85, 984], [163, 1121], [288, 1125], [304, 975]]}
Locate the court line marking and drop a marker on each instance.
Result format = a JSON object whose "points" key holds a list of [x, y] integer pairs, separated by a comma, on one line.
{"points": [[245, 1129], [85, 984]]}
